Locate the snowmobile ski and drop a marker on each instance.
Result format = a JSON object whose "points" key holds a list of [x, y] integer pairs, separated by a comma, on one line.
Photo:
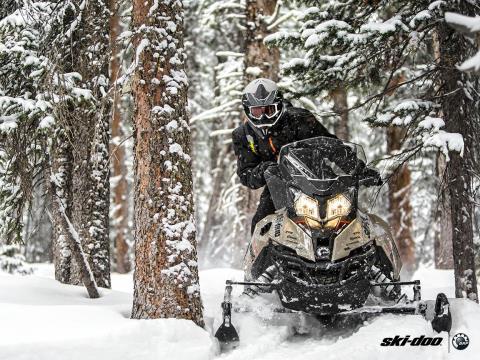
{"points": [[226, 334]]}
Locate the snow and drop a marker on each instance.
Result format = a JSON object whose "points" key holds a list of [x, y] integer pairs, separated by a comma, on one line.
{"points": [[46, 122], [471, 64], [468, 25], [43, 319], [253, 70], [144, 43], [431, 123], [176, 148], [445, 142], [386, 27], [281, 35]]}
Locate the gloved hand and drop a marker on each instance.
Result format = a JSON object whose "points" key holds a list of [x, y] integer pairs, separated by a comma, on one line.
{"points": [[270, 166], [374, 175], [371, 177]]}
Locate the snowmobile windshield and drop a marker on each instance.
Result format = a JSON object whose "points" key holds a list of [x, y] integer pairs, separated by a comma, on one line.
{"points": [[322, 162]]}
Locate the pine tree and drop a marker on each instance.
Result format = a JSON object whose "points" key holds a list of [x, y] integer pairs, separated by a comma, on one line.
{"points": [[80, 33], [55, 123], [166, 269], [25, 114], [459, 103], [60, 190]]}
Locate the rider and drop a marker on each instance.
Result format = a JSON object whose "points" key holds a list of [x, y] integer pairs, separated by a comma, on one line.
{"points": [[271, 123]]}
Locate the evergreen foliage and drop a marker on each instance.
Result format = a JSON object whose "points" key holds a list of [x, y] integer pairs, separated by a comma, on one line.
{"points": [[377, 49]]}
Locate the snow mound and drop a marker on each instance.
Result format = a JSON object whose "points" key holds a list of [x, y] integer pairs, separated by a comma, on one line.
{"points": [[43, 319]]}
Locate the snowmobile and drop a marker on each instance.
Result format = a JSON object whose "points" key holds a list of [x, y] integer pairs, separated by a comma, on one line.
{"points": [[320, 252]]}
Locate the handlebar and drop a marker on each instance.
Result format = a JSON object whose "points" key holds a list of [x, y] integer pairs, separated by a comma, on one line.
{"points": [[370, 181]]}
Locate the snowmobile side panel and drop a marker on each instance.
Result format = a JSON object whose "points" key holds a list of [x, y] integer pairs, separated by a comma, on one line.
{"points": [[384, 239], [352, 237], [281, 230]]}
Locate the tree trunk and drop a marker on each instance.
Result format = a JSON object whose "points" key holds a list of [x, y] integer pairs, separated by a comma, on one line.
{"points": [[442, 245], [399, 188], [66, 244], [166, 271], [61, 188], [340, 106], [443, 232], [86, 125], [120, 203], [460, 111], [260, 61]]}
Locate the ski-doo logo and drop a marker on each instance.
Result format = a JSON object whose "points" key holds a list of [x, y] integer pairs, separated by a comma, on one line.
{"points": [[416, 341], [460, 341]]}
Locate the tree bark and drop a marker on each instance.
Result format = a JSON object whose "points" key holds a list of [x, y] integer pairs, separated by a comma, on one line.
{"points": [[120, 203], [340, 106], [166, 271], [399, 189], [460, 111], [260, 61], [442, 244], [61, 188], [443, 232]]}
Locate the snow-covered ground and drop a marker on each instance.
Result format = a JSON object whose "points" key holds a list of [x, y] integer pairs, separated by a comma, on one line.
{"points": [[43, 319]]}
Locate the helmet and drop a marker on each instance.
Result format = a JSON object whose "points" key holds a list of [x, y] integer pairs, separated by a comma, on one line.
{"points": [[263, 105]]}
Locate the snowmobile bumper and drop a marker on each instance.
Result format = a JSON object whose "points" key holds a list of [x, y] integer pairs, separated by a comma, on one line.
{"points": [[324, 299]]}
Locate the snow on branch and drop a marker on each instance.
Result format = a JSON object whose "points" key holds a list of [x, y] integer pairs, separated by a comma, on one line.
{"points": [[468, 26], [214, 112], [221, 132], [464, 24]]}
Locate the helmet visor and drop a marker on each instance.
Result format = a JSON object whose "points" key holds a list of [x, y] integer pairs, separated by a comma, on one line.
{"points": [[269, 111]]}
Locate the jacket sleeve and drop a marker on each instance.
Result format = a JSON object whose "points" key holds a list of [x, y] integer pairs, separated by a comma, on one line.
{"points": [[309, 126], [250, 167]]}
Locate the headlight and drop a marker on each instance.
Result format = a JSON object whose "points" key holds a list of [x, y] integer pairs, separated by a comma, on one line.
{"points": [[338, 206], [307, 206], [307, 209]]}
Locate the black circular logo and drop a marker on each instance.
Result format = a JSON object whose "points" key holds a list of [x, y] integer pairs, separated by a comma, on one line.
{"points": [[460, 341]]}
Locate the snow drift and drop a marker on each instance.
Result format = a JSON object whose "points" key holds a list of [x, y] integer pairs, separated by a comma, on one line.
{"points": [[44, 320]]}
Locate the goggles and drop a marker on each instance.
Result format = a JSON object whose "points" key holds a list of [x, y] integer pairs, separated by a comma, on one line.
{"points": [[269, 111]]}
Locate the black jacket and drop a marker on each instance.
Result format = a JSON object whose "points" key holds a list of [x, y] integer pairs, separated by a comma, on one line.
{"points": [[255, 154]]}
